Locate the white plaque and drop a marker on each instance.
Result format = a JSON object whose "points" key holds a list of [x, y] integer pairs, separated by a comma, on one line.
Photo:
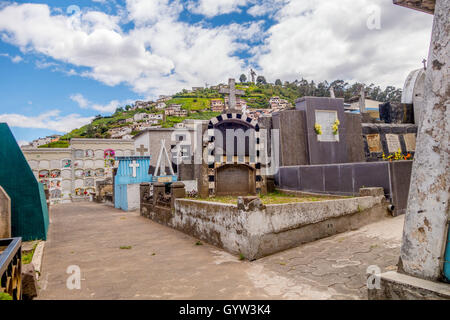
{"points": [[393, 143], [327, 119]]}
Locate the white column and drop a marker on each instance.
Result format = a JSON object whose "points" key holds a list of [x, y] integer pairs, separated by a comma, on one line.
{"points": [[428, 204]]}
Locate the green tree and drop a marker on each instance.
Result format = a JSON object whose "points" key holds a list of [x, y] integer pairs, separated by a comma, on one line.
{"points": [[261, 80], [243, 78], [119, 110], [278, 82]]}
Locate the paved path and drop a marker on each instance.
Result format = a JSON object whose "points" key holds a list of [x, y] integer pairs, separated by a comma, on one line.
{"points": [[163, 263]]}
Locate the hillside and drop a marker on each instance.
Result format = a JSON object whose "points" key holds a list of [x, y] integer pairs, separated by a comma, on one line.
{"points": [[197, 104]]}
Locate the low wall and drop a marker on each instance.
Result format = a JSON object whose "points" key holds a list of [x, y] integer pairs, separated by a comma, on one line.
{"points": [[347, 179], [263, 230]]}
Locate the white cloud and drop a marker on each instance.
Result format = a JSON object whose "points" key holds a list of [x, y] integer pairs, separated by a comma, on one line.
{"points": [[82, 101], [148, 12], [14, 59], [92, 40], [211, 8], [318, 40], [86, 104], [326, 40], [51, 120], [266, 7]]}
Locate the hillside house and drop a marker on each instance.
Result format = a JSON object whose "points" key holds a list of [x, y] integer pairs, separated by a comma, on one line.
{"points": [[160, 105], [217, 105]]}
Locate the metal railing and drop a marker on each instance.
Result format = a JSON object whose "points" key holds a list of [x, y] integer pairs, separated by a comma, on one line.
{"points": [[11, 267]]}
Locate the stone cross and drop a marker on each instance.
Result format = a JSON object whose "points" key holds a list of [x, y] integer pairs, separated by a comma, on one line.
{"points": [[134, 165], [232, 92], [142, 150]]}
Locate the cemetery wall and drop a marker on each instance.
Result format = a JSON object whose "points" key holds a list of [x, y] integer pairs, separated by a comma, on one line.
{"points": [[264, 230], [69, 172]]}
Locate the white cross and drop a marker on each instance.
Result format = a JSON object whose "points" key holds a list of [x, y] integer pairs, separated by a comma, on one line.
{"points": [[134, 165]]}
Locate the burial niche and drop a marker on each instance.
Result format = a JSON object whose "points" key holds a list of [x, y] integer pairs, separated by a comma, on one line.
{"points": [[235, 180]]}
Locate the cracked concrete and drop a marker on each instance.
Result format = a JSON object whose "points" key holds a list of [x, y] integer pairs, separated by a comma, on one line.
{"points": [[166, 264]]}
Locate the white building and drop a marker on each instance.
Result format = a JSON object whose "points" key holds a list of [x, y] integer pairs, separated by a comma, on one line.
{"points": [[160, 105], [71, 173]]}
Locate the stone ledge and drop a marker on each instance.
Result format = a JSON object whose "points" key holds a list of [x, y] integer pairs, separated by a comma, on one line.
{"points": [[398, 286]]}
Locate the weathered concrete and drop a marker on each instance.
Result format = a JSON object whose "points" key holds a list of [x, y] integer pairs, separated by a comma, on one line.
{"points": [[29, 283], [425, 230], [397, 286], [5, 214], [164, 263], [257, 230]]}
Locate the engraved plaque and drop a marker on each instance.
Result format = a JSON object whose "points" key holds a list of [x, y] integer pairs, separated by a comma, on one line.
{"points": [[393, 143], [165, 179], [410, 141], [326, 119], [235, 180], [374, 143]]}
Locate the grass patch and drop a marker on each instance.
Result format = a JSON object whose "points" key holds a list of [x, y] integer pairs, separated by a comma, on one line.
{"points": [[198, 243], [241, 257], [271, 198], [125, 247], [5, 296], [27, 257], [190, 103], [56, 144]]}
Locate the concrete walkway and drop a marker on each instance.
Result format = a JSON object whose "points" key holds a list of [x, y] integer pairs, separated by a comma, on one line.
{"points": [[163, 263]]}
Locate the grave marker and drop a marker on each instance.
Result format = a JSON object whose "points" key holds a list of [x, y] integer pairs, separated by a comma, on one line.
{"points": [[326, 119], [410, 141], [374, 143], [393, 143]]}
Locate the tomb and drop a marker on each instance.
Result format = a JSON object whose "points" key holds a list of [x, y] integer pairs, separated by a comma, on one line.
{"points": [[29, 212], [132, 171], [413, 93], [323, 149], [233, 148]]}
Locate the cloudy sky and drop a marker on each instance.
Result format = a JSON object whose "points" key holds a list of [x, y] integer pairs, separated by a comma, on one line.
{"points": [[62, 62]]}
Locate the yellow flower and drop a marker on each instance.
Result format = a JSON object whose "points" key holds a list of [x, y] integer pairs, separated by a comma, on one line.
{"points": [[318, 128]]}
